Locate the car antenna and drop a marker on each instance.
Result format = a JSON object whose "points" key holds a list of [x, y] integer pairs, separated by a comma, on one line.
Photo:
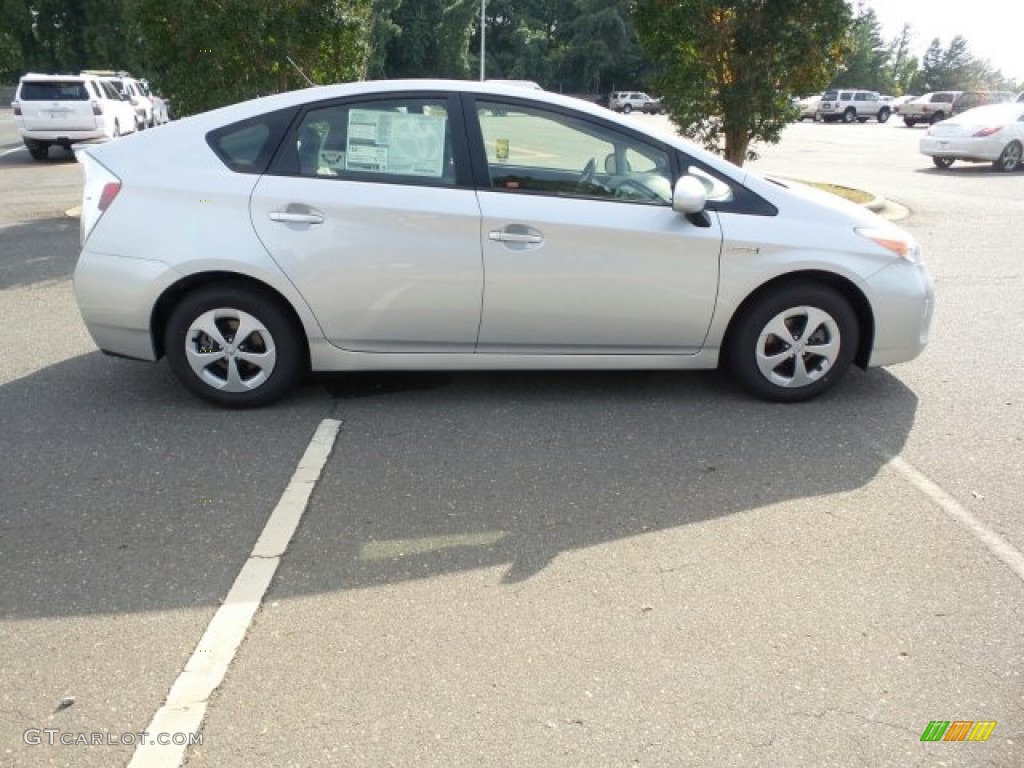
{"points": [[299, 70]]}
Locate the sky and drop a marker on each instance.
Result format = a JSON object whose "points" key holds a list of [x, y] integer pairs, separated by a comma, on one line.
{"points": [[993, 31]]}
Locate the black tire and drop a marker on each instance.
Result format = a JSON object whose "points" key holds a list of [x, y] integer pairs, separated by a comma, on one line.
{"points": [[884, 114], [909, 122], [817, 318], [942, 162], [1009, 159], [39, 150], [626, 108], [256, 371], [938, 117], [849, 115]]}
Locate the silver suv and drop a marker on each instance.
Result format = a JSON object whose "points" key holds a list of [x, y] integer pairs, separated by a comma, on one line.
{"points": [[66, 109], [627, 101], [849, 104]]}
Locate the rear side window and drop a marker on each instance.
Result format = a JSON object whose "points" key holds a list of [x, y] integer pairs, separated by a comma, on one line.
{"points": [[54, 90], [247, 146]]}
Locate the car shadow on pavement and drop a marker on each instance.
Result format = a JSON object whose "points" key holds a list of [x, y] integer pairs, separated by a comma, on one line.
{"points": [[512, 470], [122, 493]]}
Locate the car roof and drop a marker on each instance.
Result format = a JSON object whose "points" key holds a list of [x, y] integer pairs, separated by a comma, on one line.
{"points": [[1003, 112]]}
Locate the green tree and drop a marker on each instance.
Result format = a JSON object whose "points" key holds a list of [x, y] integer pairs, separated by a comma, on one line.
{"points": [[206, 55], [902, 64], [865, 62], [727, 68]]}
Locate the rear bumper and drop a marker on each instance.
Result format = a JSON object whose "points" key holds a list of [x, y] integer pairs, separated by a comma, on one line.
{"points": [[961, 149], [116, 296]]}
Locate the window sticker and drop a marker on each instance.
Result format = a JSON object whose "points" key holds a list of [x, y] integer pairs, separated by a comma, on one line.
{"points": [[396, 142]]}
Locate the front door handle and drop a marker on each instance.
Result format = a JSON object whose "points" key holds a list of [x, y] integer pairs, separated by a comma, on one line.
{"points": [[501, 236], [294, 217]]}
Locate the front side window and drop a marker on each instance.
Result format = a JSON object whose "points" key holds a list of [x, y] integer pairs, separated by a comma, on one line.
{"points": [[534, 150], [406, 139]]}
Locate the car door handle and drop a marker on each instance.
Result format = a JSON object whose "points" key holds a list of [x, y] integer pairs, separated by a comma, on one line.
{"points": [[501, 236], [294, 217]]}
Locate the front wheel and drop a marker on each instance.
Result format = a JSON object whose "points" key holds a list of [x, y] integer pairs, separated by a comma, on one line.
{"points": [[626, 109], [942, 162], [883, 115], [793, 343], [1009, 159], [938, 117], [233, 346]]}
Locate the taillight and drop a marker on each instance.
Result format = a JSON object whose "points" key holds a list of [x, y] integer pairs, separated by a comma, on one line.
{"points": [[988, 131], [110, 190], [97, 108], [17, 108], [99, 189]]}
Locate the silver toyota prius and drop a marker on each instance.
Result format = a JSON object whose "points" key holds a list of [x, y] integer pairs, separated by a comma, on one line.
{"points": [[432, 224]]}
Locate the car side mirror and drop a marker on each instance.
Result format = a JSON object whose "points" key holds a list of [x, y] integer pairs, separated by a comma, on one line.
{"points": [[689, 195]]}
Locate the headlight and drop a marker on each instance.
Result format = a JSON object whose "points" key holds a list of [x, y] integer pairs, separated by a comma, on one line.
{"points": [[893, 240]]}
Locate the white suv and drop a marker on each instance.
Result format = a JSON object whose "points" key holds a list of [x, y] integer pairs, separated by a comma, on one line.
{"points": [[67, 109], [851, 104], [627, 101]]}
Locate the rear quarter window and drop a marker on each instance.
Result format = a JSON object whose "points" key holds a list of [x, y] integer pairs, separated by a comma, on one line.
{"points": [[54, 90], [248, 145]]}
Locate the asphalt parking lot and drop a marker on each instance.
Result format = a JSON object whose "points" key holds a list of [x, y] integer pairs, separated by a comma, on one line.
{"points": [[523, 569]]}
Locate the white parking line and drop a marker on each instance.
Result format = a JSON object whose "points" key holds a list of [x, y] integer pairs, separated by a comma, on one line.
{"points": [[185, 707], [7, 152], [1012, 557]]}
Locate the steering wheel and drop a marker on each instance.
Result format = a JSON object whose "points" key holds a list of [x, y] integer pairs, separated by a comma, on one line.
{"points": [[588, 173]]}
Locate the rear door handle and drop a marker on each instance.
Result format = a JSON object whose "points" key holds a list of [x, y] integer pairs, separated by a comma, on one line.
{"points": [[293, 217]]}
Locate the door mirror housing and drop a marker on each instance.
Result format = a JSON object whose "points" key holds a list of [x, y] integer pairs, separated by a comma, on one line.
{"points": [[689, 195]]}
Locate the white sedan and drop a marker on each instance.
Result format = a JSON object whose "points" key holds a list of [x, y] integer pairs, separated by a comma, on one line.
{"points": [[431, 224], [990, 134]]}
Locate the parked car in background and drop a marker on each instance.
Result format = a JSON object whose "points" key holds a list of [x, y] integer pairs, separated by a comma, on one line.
{"points": [[653, 106], [161, 107], [432, 224], [971, 99], [990, 134], [62, 110], [808, 106], [930, 108], [132, 91], [1020, 96], [627, 101], [849, 105]]}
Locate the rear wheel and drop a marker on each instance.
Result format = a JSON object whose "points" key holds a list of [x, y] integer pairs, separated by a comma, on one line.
{"points": [[793, 343], [942, 162], [909, 122], [1010, 158], [39, 150], [233, 346], [849, 115]]}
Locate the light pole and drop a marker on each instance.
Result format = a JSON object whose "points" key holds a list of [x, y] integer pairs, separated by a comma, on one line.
{"points": [[483, 36]]}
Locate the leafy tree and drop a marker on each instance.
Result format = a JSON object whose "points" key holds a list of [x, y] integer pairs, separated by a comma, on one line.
{"points": [[727, 68], [902, 65], [865, 63], [207, 55]]}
